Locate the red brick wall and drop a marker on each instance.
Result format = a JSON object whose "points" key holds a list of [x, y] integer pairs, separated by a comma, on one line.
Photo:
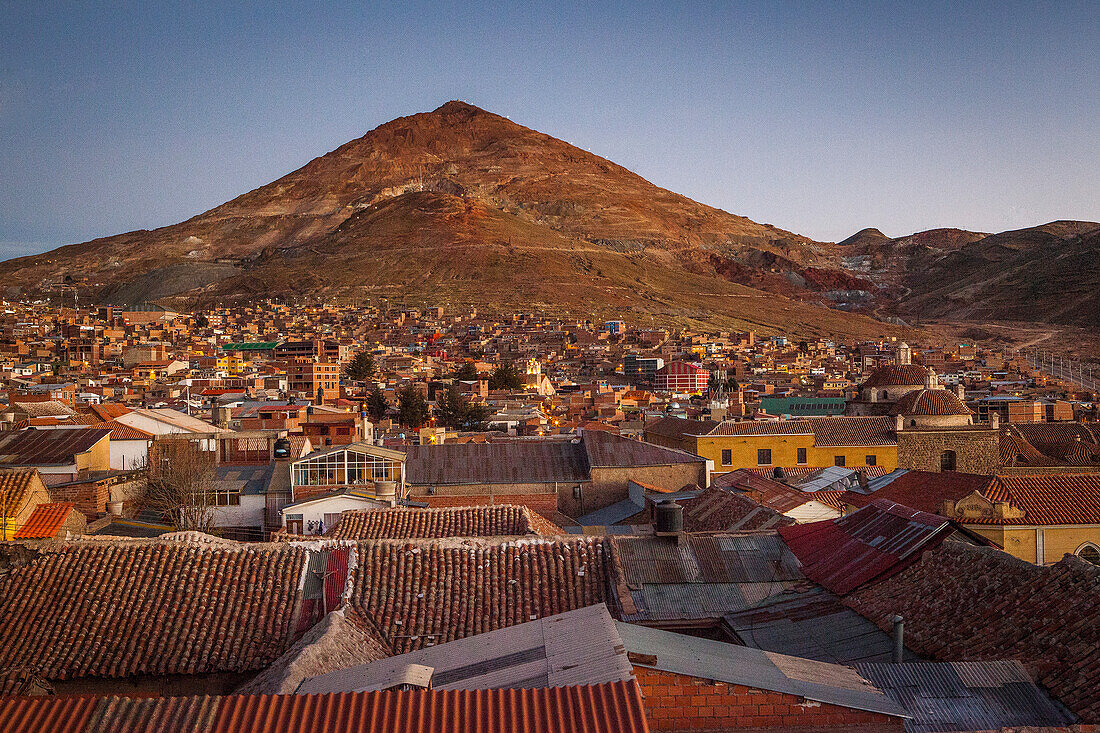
{"points": [[90, 499], [675, 702]]}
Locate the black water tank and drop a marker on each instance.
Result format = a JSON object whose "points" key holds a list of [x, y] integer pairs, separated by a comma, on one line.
{"points": [[282, 448], [669, 518]]}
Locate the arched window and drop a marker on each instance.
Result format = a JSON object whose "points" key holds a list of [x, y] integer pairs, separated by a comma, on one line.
{"points": [[1089, 553], [947, 460], [885, 395]]}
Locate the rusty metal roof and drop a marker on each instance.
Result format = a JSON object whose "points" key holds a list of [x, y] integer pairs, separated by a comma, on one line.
{"points": [[47, 447], [543, 461], [609, 450], [952, 696], [614, 707], [879, 539]]}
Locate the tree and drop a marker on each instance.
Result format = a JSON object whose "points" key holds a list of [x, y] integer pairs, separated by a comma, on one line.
{"points": [[465, 373], [180, 482], [361, 367], [412, 407], [506, 376], [201, 321], [377, 405], [455, 411]]}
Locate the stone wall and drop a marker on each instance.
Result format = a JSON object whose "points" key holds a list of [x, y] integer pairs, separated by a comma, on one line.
{"points": [[976, 450]]}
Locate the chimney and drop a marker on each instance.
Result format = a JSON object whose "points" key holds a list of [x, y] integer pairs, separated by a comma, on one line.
{"points": [[862, 477], [995, 420], [960, 391], [221, 416], [669, 520], [899, 422], [899, 639]]}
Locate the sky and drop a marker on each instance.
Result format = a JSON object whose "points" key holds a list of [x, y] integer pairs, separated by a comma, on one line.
{"points": [[818, 117]]}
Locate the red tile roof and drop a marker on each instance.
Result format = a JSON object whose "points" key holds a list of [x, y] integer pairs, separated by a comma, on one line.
{"points": [[930, 402], [15, 487], [969, 603], [853, 431], [114, 609], [923, 490], [612, 707], [425, 592], [846, 553], [1046, 499], [896, 375], [466, 521], [44, 521]]}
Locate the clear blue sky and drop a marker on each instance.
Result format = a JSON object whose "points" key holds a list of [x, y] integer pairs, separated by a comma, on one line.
{"points": [[818, 117]]}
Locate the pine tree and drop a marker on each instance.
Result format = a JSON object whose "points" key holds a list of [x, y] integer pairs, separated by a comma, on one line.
{"points": [[412, 408], [377, 405], [506, 376], [360, 368], [465, 373], [455, 411]]}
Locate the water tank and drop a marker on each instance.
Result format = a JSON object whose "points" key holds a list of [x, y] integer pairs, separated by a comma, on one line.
{"points": [[281, 448], [669, 519], [384, 489]]}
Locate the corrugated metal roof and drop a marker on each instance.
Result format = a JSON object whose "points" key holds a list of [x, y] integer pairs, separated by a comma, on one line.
{"points": [[952, 696], [610, 450], [843, 554], [614, 707], [814, 624], [572, 648], [740, 665], [47, 447], [497, 463]]}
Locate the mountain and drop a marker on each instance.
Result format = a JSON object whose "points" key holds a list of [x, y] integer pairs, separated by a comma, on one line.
{"points": [[464, 207]]}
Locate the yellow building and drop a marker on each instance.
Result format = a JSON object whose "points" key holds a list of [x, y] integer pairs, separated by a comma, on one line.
{"points": [[816, 442], [1037, 518], [21, 490]]}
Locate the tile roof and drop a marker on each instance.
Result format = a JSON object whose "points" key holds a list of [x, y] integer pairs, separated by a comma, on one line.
{"points": [[45, 408], [613, 707], [16, 485], [763, 427], [1050, 444], [896, 375], [1046, 499], [930, 402], [44, 522], [853, 431], [122, 431], [678, 427], [467, 521], [120, 608], [47, 447], [923, 490], [579, 647], [879, 539], [965, 695], [434, 591], [972, 603], [722, 510]]}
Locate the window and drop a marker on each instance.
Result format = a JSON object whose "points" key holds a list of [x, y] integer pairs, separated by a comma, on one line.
{"points": [[1089, 553], [872, 460], [727, 457], [764, 457], [947, 460], [801, 456], [838, 460]]}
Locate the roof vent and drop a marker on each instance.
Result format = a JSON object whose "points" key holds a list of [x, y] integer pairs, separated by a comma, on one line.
{"points": [[281, 449], [412, 677], [669, 519]]}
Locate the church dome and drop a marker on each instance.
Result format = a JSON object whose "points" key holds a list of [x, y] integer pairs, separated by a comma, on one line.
{"points": [[896, 375], [930, 402]]}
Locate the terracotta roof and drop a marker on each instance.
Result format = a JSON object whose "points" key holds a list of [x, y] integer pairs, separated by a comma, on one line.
{"points": [[678, 427], [106, 411], [44, 408], [763, 427], [722, 510], [923, 490], [425, 592], [829, 497], [612, 707], [122, 431], [1046, 499], [47, 447], [405, 523], [853, 431], [120, 608], [15, 486], [1050, 444], [44, 521], [896, 375], [930, 402], [969, 603]]}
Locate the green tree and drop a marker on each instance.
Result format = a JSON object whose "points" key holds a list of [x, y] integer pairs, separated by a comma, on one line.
{"points": [[377, 405], [361, 368], [412, 407], [465, 373], [506, 376], [455, 411]]}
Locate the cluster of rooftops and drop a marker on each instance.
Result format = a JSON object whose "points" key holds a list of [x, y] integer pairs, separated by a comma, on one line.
{"points": [[441, 612]]}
